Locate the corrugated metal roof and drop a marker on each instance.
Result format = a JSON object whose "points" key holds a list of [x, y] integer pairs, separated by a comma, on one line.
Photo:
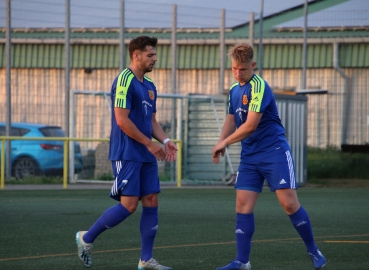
{"points": [[351, 13], [99, 48], [189, 56]]}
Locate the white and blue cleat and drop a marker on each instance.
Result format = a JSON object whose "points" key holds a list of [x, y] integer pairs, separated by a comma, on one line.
{"points": [[84, 249], [152, 264], [318, 259], [236, 265]]}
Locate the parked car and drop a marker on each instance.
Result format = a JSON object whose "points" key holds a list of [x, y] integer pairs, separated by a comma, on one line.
{"points": [[31, 158]]}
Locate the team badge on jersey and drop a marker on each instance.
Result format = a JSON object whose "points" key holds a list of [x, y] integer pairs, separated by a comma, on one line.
{"points": [[245, 100], [151, 94]]}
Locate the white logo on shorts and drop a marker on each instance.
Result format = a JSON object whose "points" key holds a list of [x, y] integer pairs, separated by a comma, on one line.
{"points": [[124, 182], [282, 182]]}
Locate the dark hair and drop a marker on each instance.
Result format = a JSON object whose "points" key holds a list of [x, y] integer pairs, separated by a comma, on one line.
{"points": [[140, 43]]}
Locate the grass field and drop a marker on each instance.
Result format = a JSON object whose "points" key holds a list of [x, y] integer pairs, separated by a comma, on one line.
{"points": [[196, 230]]}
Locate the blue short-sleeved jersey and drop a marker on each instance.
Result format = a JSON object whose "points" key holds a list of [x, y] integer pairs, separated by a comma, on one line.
{"points": [[140, 98], [257, 96]]}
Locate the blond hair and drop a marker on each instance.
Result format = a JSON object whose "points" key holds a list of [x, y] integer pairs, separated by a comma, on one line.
{"points": [[241, 53]]}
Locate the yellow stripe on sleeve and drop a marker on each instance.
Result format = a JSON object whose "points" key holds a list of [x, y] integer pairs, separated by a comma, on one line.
{"points": [[123, 82], [257, 93]]}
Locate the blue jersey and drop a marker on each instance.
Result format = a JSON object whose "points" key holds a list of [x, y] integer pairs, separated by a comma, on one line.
{"points": [[140, 98], [257, 96]]}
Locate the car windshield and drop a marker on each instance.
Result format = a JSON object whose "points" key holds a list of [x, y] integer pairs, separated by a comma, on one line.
{"points": [[52, 132]]}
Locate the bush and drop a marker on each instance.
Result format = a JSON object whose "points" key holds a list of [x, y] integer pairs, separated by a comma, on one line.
{"points": [[331, 163]]}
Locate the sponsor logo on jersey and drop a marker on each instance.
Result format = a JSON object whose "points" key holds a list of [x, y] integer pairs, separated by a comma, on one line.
{"points": [[245, 100], [151, 94]]}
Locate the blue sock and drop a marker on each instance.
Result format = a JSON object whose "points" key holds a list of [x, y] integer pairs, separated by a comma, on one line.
{"points": [[245, 227], [148, 227], [301, 222], [110, 218]]}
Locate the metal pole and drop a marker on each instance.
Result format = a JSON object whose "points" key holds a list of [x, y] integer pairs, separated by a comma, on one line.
{"points": [[346, 98], [251, 28], [8, 90], [174, 50], [260, 53], [68, 113], [121, 37], [221, 51], [304, 52], [174, 81]]}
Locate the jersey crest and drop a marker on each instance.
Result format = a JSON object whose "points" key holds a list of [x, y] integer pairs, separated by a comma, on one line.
{"points": [[245, 100], [151, 94]]}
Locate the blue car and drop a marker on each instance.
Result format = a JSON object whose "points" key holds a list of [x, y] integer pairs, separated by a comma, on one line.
{"points": [[31, 158]]}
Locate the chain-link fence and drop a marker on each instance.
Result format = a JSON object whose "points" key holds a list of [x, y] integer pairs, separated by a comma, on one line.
{"points": [[61, 47]]}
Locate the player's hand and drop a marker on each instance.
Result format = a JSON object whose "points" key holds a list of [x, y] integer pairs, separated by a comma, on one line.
{"points": [[170, 151], [218, 150], [156, 150]]}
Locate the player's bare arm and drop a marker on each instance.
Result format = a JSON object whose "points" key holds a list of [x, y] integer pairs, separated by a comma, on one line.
{"points": [[132, 131], [159, 135], [244, 131], [229, 127]]}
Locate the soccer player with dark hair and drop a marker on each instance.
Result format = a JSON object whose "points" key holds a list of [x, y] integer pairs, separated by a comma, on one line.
{"points": [[254, 121], [133, 154]]}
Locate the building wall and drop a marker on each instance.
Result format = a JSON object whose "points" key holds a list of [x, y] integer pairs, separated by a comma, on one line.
{"points": [[38, 95]]}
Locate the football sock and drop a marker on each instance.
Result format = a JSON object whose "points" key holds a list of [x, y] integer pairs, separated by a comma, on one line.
{"points": [[110, 218], [301, 222], [148, 227], [245, 227]]}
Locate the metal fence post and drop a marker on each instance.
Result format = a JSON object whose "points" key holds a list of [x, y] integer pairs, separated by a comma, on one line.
{"points": [[260, 52], [221, 51], [8, 89], [121, 38], [174, 79]]}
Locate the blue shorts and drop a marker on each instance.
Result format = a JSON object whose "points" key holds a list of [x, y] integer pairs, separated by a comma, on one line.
{"points": [[134, 178], [278, 170]]}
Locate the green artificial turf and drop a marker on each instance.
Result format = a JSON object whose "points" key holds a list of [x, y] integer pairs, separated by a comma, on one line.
{"points": [[196, 230]]}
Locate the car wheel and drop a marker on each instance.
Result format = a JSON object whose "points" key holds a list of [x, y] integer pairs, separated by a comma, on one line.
{"points": [[25, 167]]}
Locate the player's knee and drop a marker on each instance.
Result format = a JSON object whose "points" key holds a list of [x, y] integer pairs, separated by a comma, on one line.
{"points": [[131, 207], [130, 203], [243, 208], [290, 207], [150, 200]]}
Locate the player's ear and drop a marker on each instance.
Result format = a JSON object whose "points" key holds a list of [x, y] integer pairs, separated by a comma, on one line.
{"points": [[253, 65]]}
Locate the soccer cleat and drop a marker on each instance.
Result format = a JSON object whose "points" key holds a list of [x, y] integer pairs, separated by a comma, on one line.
{"points": [[152, 264], [84, 249], [318, 259], [236, 265]]}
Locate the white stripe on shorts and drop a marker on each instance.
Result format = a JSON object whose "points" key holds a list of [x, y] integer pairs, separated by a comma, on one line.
{"points": [[291, 170], [114, 188]]}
